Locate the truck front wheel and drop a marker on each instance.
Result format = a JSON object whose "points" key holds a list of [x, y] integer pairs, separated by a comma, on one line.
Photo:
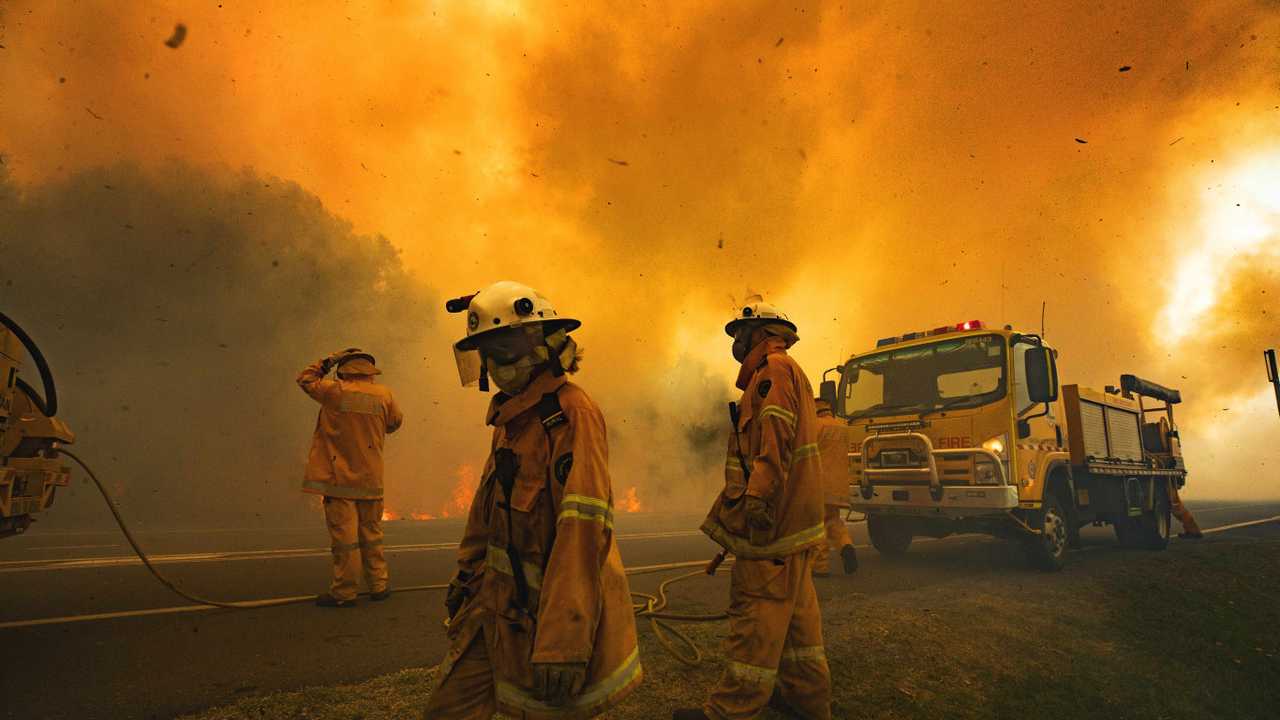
{"points": [[890, 536], [1048, 550]]}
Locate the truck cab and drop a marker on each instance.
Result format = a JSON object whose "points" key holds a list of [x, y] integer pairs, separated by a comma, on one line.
{"points": [[961, 429]]}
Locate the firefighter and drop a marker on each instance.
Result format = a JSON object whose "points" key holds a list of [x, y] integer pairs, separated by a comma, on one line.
{"points": [[541, 623], [769, 516], [835, 474], [345, 467]]}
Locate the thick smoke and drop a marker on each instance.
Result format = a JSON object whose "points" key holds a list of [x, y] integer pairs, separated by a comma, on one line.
{"points": [[176, 307], [874, 169]]}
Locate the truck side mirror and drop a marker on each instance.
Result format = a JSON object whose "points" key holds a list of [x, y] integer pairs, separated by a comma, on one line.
{"points": [[1042, 375], [827, 391]]}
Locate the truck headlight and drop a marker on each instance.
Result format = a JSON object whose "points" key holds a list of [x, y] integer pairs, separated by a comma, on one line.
{"points": [[998, 445]]}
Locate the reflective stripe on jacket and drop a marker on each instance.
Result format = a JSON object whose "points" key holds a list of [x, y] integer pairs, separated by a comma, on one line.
{"points": [[579, 603], [777, 427], [346, 450]]}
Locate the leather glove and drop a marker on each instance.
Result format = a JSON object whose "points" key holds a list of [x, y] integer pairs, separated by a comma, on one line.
{"points": [[557, 683], [456, 595], [758, 515]]}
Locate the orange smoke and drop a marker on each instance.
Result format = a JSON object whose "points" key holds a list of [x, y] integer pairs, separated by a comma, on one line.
{"points": [[630, 501]]}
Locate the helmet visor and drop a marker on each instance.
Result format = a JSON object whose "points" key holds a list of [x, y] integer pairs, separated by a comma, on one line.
{"points": [[469, 364]]}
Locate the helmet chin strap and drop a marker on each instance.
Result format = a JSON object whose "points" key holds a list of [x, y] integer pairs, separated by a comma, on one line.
{"points": [[484, 378]]}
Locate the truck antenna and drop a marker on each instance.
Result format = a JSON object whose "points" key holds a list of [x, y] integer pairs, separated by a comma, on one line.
{"points": [[1042, 302]]}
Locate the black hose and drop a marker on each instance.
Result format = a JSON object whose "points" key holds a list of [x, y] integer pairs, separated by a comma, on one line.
{"points": [[49, 405], [142, 555]]}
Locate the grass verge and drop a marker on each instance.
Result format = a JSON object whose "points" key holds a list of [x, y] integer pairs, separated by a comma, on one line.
{"points": [[1189, 633]]}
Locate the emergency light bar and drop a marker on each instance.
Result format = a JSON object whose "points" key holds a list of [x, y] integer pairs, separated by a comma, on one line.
{"points": [[958, 327]]}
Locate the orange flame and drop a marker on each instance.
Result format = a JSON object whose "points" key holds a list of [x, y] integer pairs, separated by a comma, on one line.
{"points": [[389, 514], [464, 490], [630, 501]]}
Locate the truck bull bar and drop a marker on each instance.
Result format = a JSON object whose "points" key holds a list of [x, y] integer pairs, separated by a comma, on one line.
{"points": [[869, 475]]}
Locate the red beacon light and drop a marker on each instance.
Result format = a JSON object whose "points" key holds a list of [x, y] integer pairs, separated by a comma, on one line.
{"points": [[970, 325]]}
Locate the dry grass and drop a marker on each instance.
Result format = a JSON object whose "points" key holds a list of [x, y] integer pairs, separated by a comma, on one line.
{"points": [[1191, 633]]}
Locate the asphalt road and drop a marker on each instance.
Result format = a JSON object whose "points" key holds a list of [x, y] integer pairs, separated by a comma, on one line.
{"points": [[126, 665]]}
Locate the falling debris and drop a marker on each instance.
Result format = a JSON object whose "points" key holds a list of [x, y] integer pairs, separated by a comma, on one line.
{"points": [[623, 163], [1175, 142], [179, 34], [1082, 141], [1125, 68], [779, 43], [720, 244], [95, 115]]}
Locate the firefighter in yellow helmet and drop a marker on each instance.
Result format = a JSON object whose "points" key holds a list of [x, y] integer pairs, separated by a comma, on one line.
{"points": [[834, 446], [541, 618], [769, 516], [345, 466]]}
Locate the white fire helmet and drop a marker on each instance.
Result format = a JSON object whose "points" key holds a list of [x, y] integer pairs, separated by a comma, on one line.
{"points": [[503, 304], [756, 310]]}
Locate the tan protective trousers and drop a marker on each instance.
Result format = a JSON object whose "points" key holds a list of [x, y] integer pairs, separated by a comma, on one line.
{"points": [[1180, 511], [468, 692], [775, 638], [837, 537], [355, 536]]}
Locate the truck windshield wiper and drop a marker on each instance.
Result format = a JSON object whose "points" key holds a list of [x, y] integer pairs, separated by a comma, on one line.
{"points": [[881, 408], [948, 403]]}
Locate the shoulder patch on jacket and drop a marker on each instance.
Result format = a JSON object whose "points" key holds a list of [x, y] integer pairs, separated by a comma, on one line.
{"points": [[764, 387], [563, 465], [550, 412]]}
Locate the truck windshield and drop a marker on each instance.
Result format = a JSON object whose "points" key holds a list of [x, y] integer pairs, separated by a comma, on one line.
{"points": [[955, 373]]}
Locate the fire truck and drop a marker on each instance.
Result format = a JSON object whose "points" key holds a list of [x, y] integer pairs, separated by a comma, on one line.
{"points": [[964, 429]]}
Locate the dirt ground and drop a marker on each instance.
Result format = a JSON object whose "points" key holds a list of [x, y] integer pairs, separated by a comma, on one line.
{"points": [[1189, 633]]}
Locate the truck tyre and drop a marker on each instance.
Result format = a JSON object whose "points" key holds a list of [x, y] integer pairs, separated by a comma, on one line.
{"points": [[1127, 531], [1048, 550], [889, 535], [1153, 526]]}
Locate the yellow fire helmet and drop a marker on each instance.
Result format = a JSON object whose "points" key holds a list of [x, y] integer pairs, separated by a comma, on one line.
{"points": [[757, 310], [503, 304]]}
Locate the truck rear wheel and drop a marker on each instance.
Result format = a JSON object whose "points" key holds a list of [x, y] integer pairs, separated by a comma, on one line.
{"points": [[890, 536], [1148, 531], [1153, 526], [1048, 550]]}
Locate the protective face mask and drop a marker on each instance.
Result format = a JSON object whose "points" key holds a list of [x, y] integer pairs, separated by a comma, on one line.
{"points": [[514, 377]]}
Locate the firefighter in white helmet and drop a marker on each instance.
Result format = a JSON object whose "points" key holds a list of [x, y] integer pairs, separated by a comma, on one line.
{"points": [[345, 466], [541, 618], [769, 516]]}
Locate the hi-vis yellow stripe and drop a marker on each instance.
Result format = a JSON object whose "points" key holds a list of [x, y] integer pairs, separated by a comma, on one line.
{"points": [[804, 451], [584, 507], [779, 412], [496, 559], [742, 547], [590, 702], [752, 673], [733, 464]]}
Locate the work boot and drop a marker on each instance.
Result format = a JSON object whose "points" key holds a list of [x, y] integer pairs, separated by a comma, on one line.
{"points": [[850, 557], [327, 600], [381, 595], [689, 714]]}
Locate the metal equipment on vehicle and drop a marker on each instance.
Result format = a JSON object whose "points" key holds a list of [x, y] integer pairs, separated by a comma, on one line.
{"points": [[30, 434]]}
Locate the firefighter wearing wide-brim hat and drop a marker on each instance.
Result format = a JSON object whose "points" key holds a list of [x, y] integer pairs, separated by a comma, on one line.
{"points": [[541, 619], [345, 466], [769, 516]]}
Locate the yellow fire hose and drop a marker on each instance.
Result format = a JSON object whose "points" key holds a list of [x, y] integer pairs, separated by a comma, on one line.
{"points": [[652, 606]]}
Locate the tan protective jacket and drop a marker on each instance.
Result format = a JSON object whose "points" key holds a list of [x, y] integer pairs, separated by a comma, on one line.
{"points": [[777, 439], [578, 607], [833, 445], [346, 451]]}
